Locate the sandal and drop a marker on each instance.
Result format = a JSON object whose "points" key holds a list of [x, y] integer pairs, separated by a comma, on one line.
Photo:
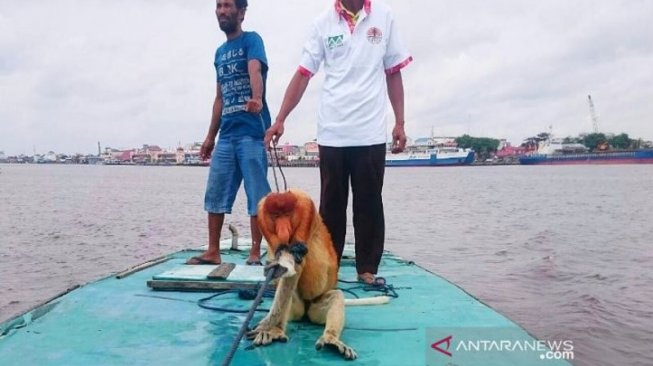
{"points": [[200, 261], [370, 279]]}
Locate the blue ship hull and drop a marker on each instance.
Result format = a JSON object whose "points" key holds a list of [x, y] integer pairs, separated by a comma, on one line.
{"points": [[432, 161], [622, 157]]}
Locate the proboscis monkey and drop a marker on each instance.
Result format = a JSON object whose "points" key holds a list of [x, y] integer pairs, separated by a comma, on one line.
{"points": [[308, 285]]}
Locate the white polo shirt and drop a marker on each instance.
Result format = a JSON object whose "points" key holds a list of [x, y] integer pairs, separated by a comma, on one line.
{"points": [[356, 58]]}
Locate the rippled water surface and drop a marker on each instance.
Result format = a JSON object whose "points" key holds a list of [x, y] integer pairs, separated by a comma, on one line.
{"points": [[564, 251]]}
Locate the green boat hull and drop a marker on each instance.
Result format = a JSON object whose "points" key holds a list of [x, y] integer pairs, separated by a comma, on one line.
{"points": [[123, 322]]}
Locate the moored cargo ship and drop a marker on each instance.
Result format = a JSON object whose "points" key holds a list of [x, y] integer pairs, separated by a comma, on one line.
{"points": [[612, 157], [555, 152], [440, 156]]}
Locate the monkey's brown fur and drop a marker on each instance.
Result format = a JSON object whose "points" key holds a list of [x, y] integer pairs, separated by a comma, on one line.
{"points": [[287, 218]]}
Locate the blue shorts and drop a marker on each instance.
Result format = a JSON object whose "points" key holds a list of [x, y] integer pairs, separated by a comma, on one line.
{"points": [[234, 160]]}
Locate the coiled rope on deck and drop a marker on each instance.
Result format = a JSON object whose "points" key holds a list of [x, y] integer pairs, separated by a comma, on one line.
{"points": [[244, 294], [379, 285]]}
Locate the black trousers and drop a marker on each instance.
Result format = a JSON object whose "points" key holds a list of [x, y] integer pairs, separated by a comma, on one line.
{"points": [[365, 166]]}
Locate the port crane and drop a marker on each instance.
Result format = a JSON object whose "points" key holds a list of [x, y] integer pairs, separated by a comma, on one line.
{"points": [[593, 117]]}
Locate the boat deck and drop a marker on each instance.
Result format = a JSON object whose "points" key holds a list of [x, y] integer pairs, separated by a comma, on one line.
{"points": [[122, 321]]}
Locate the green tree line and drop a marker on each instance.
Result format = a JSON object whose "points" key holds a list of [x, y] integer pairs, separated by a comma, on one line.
{"points": [[484, 147]]}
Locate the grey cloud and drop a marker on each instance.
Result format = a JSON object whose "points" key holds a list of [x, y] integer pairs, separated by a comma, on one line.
{"points": [[73, 72]]}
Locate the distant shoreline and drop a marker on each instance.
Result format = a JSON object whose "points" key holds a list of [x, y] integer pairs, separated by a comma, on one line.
{"points": [[284, 164]]}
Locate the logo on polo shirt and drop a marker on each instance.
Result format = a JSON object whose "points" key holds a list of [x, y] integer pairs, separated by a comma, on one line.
{"points": [[374, 35], [335, 41]]}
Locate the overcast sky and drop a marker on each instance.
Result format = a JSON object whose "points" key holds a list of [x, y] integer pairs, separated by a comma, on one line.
{"points": [[133, 72]]}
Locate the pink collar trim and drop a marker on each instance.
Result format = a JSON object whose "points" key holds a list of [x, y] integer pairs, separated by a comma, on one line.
{"points": [[344, 14], [367, 6]]}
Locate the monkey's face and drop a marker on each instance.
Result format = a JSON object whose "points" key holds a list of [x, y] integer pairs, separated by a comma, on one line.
{"points": [[278, 219], [286, 219]]}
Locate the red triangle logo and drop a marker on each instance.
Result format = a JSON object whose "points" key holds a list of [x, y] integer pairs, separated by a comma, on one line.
{"points": [[436, 345]]}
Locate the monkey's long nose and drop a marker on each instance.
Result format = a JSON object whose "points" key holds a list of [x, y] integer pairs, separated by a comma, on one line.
{"points": [[283, 230]]}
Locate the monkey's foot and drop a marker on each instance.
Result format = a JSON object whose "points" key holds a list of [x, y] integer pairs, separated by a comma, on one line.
{"points": [[335, 343], [262, 336]]}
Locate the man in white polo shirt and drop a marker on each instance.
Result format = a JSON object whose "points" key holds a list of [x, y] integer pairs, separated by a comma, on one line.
{"points": [[358, 42]]}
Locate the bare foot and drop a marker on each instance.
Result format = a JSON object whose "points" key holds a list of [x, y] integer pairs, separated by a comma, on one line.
{"points": [[366, 277], [204, 259], [254, 259]]}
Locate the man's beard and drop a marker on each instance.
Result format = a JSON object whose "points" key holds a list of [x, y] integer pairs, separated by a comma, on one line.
{"points": [[228, 27]]}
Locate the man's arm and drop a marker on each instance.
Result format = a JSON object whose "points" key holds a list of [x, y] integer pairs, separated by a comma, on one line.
{"points": [[396, 95], [291, 98], [255, 104], [209, 141]]}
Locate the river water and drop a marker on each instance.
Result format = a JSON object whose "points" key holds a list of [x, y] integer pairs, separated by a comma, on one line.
{"points": [[566, 251]]}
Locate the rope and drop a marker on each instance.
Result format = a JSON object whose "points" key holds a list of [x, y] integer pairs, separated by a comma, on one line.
{"points": [[276, 158], [248, 318], [242, 294], [298, 251], [379, 286], [387, 290], [274, 171]]}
